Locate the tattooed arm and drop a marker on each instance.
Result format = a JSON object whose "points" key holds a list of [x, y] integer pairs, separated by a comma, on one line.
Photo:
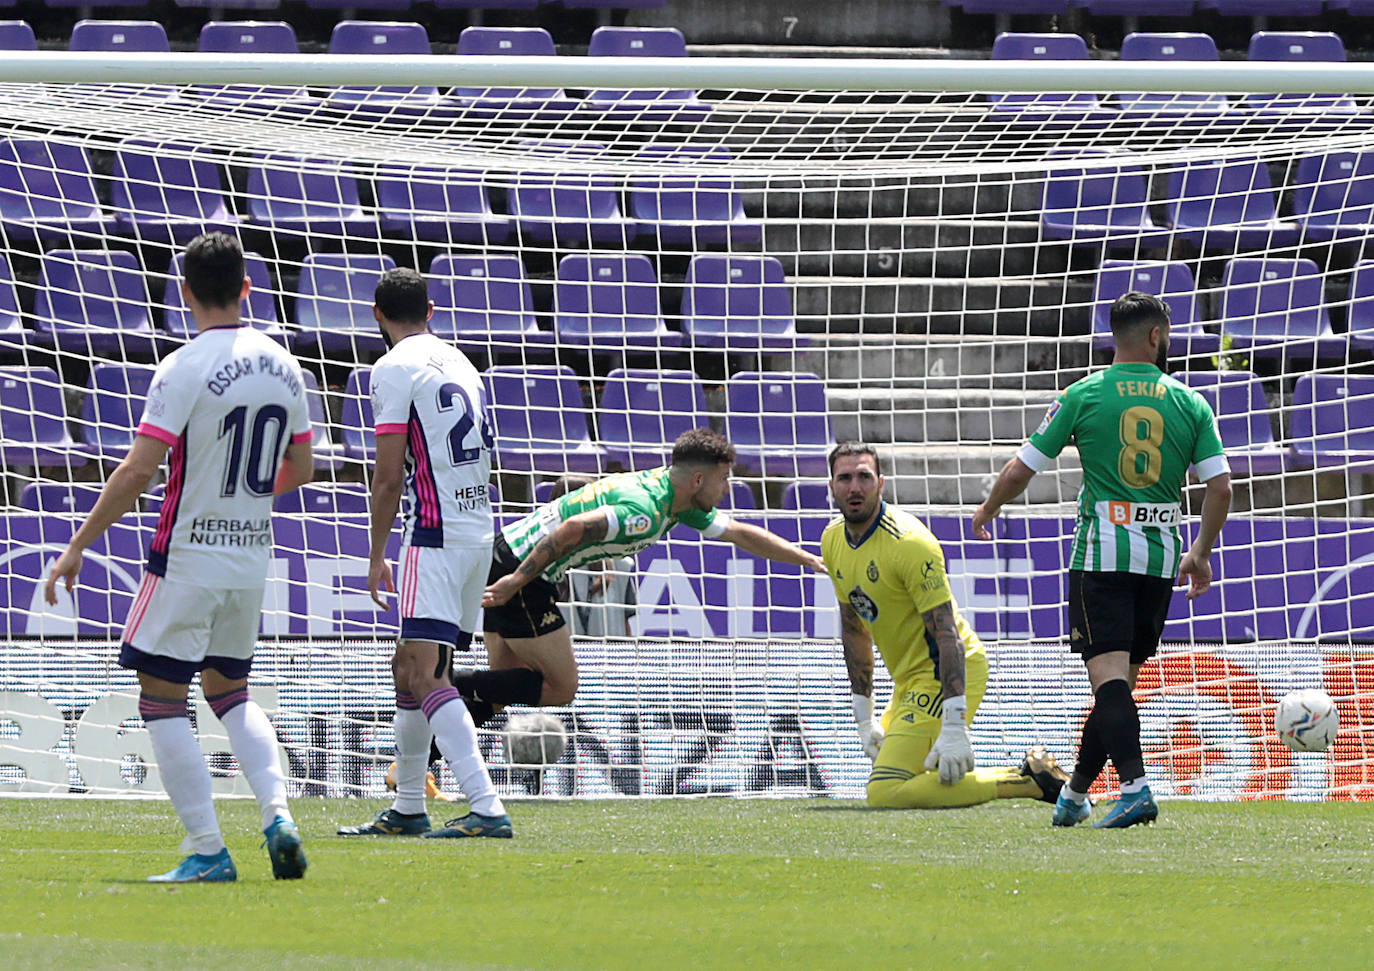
{"points": [[858, 659], [571, 535], [941, 628]]}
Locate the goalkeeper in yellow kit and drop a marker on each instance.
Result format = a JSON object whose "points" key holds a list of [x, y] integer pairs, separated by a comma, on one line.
{"points": [[889, 575]]}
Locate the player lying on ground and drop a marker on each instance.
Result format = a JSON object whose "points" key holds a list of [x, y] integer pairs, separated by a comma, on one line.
{"points": [[527, 638], [231, 405], [1137, 430], [433, 441], [889, 576]]}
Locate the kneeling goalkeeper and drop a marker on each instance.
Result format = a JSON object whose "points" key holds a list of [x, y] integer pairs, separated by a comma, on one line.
{"points": [[889, 575]]}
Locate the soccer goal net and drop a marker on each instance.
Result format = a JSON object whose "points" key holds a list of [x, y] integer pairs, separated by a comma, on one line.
{"points": [[917, 255]]}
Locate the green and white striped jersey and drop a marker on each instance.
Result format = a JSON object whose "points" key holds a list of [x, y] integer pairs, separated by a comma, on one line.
{"points": [[1137, 430], [638, 509]]}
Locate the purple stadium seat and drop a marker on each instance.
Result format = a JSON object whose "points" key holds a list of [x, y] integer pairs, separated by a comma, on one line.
{"points": [[94, 302], [1268, 45], [1275, 308], [147, 36], [319, 499], [738, 303], [438, 206], [248, 37], [163, 193], [304, 195], [59, 497], [1009, 6], [738, 496], [539, 420], [692, 211], [1105, 205], [359, 4], [17, 35], [1263, 8], [779, 423], [1226, 205], [49, 189], [33, 420], [334, 303], [486, 4], [1332, 422], [387, 39], [112, 408], [1355, 8], [1170, 47], [499, 41], [328, 455], [1137, 8], [1172, 281], [1237, 399], [231, 4], [260, 309], [643, 411], [1334, 196], [1359, 317], [609, 302], [807, 495], [1040, 47], [567, 208], [643, 42], [484, 303], [358, 429], [11, 323]]}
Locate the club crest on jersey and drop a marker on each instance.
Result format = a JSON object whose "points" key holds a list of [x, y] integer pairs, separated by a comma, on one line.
{"points": [[872, 572], [637, 525], [863, 604], [1049, 417]]}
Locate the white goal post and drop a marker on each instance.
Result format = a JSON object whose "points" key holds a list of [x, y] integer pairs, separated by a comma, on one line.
{"points": [[917, 253]]}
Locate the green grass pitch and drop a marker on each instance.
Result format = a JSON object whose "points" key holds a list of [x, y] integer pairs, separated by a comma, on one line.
{"points": [[716, 883]]}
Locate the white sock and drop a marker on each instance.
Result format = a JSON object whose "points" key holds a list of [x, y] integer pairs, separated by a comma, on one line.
{"points": [[254, 742], [457, 738], [412, 759], [187, 781], [1134, 786], [1070, 795]]}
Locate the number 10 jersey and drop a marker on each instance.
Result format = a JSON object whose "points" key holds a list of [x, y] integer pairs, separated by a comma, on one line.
{"points": [[227, 404], [427, 390], [1137, 431]]}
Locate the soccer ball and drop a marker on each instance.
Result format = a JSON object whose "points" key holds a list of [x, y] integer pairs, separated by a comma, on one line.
{"points": [[534, 739], [1307, 720]]}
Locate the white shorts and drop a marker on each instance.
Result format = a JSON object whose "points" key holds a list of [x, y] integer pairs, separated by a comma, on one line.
{"points": [[440, 591], [176, 629]]}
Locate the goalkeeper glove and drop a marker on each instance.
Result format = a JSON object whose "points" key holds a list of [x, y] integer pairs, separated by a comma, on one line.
{"points": [[952, 752], [870, 730]]}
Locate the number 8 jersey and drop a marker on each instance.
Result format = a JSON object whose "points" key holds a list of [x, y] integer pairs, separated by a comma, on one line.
{"points": [[429, 391], [228, 403], [1137, 431]]}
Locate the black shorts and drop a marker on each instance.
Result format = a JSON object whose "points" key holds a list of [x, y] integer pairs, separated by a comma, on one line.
{"points": [[1117, 612], [533, 612]]}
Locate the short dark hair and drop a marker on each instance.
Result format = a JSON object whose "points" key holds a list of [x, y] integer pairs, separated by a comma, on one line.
{"points": [[401, 296], [213, 269], [1134, 313], [845, 449], [701, 446]]}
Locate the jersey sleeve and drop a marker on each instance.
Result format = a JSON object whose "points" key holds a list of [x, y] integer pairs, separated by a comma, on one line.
{"points": [[628, 520], [301, 428], [923, 571], [391, 393], [1209, 456], [171, 395], [709, 523], [828, 547], [1055, 432]]}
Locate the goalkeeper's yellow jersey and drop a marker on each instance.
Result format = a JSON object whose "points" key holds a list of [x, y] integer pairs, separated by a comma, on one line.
{"points": [[891, 576]]}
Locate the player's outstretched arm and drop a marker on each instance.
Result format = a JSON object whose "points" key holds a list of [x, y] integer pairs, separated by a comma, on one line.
{"points": [[952, 752], [570, 535], [122, 489], [1011, 482], [770, 546], [858, 660], [1196, 566]]}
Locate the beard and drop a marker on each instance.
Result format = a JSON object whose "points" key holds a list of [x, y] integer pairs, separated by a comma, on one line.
{"points": [[386, 338], [1162, 358], [861, 514]]}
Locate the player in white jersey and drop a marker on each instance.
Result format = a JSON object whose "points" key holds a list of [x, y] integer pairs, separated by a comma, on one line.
{"points": [[428, 403], [231, 407]]}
